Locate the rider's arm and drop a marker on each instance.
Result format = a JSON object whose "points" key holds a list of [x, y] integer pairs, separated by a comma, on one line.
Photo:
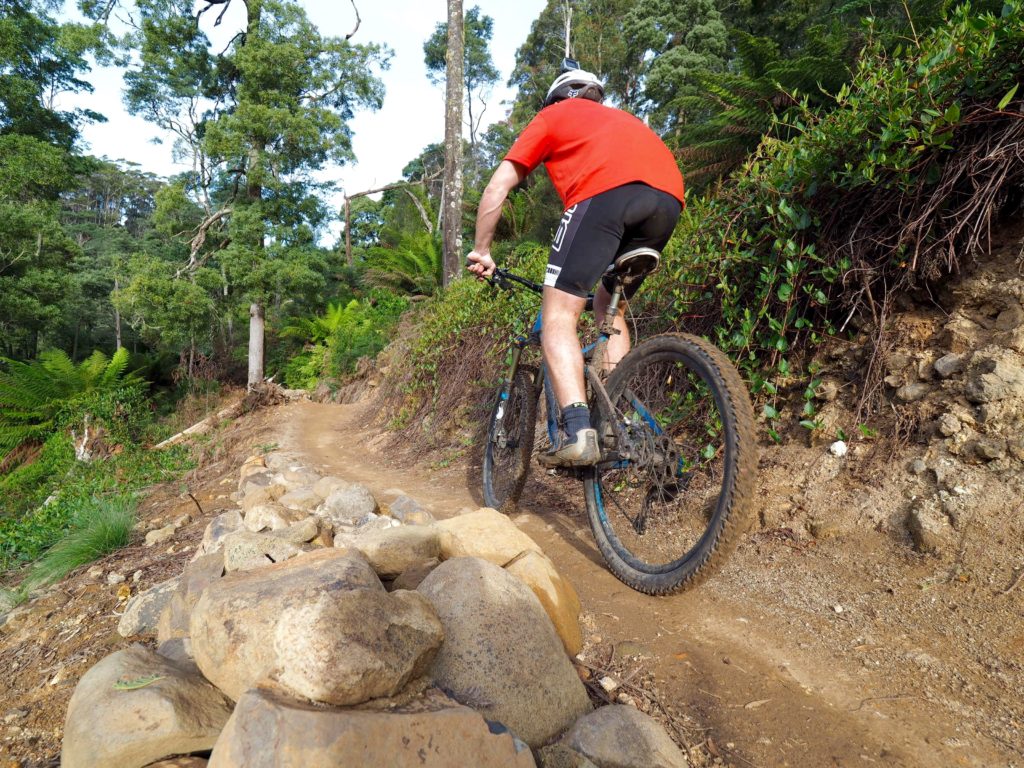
{"points": [[506, 176]]}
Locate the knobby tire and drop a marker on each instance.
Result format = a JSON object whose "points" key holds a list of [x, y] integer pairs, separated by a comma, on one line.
{"points": [[510, 435], [705, 423]]}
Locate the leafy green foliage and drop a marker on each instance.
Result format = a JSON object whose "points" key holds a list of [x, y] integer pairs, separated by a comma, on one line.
{"points": [[34, 396], [364, 329], [470, 324], [809, 225]]}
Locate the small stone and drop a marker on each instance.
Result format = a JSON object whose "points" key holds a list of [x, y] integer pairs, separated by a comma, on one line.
{"points": [[912, 392], [838, 608], [608, 684], [948, 365], [918, 467], [948, 424], [182, 520], [136, 577], [990, 448], [115, 578], [838, 448], [160, 535], [95, 572]]}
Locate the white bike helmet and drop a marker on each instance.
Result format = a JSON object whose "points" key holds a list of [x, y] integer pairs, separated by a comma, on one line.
{"points": [[575, 83]]}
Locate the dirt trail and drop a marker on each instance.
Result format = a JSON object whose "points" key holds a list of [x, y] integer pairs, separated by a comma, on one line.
{"points": [[791, 655]]}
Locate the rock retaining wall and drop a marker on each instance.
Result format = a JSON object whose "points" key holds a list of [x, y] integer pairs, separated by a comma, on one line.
{"points": [[317, 626]]}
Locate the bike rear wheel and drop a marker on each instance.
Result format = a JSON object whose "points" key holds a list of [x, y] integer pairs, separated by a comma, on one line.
{"points": [[673, 499], [510, 440]]}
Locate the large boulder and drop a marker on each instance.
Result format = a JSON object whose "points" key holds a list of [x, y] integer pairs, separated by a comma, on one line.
{"points": [[485, 533], [347, 505], [555, 593], [301, 532], [142, 614], [299, 476], [325, 486], [620, 736], [300, 499], [197, 576], [409, 511], [218, 528], [135, 707], [392, 550], [321, 625], [245, 550], [267, 495], [267, 730], [272, 517], [501, 654]]}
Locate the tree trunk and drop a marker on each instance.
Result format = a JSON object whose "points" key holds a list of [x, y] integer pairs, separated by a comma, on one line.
{"points": [[255, 344], [254, 195], [117, 318], [453, 142], [348, 231]]}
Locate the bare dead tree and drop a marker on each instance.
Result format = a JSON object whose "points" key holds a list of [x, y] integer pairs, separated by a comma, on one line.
{"points": [[396, 185]]}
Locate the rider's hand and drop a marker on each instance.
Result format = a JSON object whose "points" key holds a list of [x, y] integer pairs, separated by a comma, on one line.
{"points": [[480, 264]]}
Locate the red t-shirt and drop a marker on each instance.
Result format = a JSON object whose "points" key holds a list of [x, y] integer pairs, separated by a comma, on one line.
{"points": [[589, 148]]}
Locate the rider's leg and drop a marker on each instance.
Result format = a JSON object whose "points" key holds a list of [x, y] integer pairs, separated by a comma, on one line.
{"points": [[618, 343], [564, 360], [560, 315]]}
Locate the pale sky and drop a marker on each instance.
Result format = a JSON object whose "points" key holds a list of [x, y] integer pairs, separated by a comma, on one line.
{"points": [[385, 141]]}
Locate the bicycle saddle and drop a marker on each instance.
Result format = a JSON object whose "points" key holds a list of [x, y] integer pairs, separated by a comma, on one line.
{"points": [[635, 264]]}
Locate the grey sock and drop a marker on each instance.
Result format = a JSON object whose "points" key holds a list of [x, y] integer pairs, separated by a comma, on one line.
{"points": [[574, 418]]}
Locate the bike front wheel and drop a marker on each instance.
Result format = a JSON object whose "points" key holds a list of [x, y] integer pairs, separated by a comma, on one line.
{"points": [[674, 490], [510, 440]]}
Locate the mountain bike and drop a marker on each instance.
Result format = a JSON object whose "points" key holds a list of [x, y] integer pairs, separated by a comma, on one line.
{"points": [[673, 489]]}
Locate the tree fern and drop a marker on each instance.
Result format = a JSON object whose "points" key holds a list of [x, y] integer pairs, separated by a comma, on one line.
{"points": [[413, 266], [32, 395], [755, 100]]}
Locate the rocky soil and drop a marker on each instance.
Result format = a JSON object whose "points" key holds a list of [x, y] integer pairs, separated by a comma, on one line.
{"points": [[873, 615]]}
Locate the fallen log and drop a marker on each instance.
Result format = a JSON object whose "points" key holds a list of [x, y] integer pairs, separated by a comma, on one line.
{"points": [[206, 425]]}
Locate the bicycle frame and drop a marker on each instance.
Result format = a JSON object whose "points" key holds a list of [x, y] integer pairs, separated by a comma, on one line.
{"points": [[593, 356]]}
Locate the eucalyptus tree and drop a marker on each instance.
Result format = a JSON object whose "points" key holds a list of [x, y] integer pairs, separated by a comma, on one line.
{"points": [[478, 71], [257, 119], [674, 44]]}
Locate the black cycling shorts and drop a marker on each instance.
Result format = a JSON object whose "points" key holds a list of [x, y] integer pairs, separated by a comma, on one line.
{"points": [[596, 231]]}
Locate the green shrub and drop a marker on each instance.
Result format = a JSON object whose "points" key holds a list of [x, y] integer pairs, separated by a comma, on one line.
{"points": [[98, 526], [887, 189], [42, 499], [305, 369], [363, 330], [458, 351]]}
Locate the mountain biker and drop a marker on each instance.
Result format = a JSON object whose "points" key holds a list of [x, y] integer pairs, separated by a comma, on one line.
{"points": [[621, 189]]}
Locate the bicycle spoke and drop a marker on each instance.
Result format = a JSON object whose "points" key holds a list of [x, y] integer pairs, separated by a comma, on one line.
{"points": [[674, 445]]}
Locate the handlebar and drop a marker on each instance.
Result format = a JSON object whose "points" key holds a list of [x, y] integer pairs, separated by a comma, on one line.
{"points": [[502, 279]]}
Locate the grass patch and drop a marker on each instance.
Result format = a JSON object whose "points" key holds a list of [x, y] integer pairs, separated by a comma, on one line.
{"points": [[98, 527], [59, 497]]}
